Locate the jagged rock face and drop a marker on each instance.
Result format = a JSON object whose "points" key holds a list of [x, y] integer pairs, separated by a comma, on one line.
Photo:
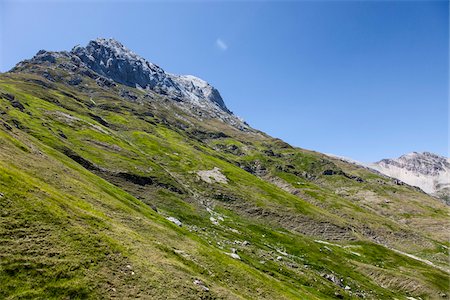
{"points": [[111, 59], [425, 163], [426, 170], [113, 62]]}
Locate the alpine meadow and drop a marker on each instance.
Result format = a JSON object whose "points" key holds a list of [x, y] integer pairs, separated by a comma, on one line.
{"points": [[121, 180]]}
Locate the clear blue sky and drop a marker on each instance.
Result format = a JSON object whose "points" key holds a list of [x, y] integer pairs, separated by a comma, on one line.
{"points": [[366, 80]]}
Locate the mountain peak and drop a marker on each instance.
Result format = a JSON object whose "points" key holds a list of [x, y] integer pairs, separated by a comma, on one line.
{"points": [[109, 42], [429, 171], [111, 59], [425, 163], [112, 48]]}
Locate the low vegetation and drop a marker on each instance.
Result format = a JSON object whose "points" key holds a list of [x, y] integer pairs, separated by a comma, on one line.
{"points": [[88, 180]]}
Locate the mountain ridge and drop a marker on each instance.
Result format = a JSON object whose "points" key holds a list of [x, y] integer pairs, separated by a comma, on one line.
{"points": [[426, 170], [111, 62]]}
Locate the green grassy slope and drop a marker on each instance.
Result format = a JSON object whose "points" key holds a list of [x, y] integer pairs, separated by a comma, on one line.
{"points": [[88, 179]]}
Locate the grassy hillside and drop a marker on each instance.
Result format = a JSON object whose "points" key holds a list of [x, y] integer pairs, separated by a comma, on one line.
{"points": [[88, 179]]}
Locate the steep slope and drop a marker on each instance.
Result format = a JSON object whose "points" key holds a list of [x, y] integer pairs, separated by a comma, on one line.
{"points": [[108, 61], [96, 174], [428, 171], [110, 58]]}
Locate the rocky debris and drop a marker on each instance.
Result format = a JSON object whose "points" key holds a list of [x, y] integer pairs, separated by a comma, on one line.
{"points": [[178, 251], [328, 248], [234, 230], [75, 80], [41, 83], [269, 152], [245, 243], [129, 270], [232, 149], [279, 258], [397, 181], [224, 197], [61, 134], [7, 126], [1, 195], [74, 121], [99, 120], [215, 217], [234, 255], [302, 224], [214, 220], [153, 207], [307, 175], [211, 176], [143, 180], [201, 285], [207, 135], [80, 160], [136, 179], [333, 279], [123, 176], [18, 124], [255, 167], [128, 95], [14, 102], [104, 82], [282, 184], [108, 146], [50, 77], [175, 221], [330, 172], [282, 252]]}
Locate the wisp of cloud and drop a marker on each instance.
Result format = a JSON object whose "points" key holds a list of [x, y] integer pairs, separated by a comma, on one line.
{"points": [[221, 44]]}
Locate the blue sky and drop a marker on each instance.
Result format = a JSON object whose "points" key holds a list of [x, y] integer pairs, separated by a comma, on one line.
{"points": [[361, 79]]}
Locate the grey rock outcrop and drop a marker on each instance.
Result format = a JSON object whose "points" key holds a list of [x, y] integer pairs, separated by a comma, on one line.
{"points": [[109, 63], [113, 60], [428, 171]]}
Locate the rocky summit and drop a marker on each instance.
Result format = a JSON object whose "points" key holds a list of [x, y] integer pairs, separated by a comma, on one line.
{"points": [[120, 180], [109, 62], [111, 59]]}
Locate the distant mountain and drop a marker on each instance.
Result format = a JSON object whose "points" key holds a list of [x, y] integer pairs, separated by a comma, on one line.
{"points": [[428, 171]]}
